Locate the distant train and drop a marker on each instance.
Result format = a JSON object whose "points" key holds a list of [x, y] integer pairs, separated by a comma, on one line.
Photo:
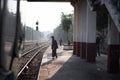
{"points": [[11, 36]]}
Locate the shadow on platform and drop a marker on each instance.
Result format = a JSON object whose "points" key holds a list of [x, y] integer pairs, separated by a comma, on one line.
{"points": [[70, 67]]}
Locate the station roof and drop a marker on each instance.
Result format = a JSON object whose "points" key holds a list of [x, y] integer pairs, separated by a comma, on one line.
{"points": [[50, 0]]}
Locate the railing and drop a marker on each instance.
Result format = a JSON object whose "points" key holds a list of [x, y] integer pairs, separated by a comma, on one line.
{"points": [[112, 7], [116, 3], [93, 4]]}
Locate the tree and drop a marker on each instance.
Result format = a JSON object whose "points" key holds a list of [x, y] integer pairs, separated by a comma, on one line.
{"points": [[66, 23], [102, 28]]}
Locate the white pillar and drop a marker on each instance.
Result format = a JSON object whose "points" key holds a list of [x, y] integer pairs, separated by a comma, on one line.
{"points": [[82, 28], [91, 35], [74, 29], [79, 33], [84, 31], [113, 47]]}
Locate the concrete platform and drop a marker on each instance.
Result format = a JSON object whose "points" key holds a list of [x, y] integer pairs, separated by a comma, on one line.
{"points": [[71, 67]]}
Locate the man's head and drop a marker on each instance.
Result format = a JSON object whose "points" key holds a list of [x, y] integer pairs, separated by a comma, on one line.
{"points": [[52, 37]]}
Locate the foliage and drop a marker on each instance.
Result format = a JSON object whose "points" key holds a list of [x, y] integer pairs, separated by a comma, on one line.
{"points": [[66, 21], [102, 20], [64, 29], [66, 24], [102, 31]]}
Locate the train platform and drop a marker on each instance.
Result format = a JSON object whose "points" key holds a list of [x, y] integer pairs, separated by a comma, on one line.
{"points": [[70, 67]]}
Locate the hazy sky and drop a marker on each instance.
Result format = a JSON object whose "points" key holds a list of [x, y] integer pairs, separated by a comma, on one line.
{"points": [[46, 13]]}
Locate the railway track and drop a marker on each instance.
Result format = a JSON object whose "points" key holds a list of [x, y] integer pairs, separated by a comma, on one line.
{"points": [[29, 63], [28, 45]]}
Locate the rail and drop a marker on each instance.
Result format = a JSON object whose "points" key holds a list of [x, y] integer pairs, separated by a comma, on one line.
{"points": [[28, 62]]}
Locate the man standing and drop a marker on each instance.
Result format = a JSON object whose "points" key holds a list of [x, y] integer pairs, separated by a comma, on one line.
{"points": [[54, 46], [60, 41], [98, 45]]}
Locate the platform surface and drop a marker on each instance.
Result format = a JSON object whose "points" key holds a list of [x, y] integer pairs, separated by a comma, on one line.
{"points": [[70, 67]]}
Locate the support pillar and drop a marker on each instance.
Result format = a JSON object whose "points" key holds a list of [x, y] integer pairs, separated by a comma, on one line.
{"points": [[83, 14], [74, 31], [74, 28], [79, 33], [81, 22], [77, 28], [113, 47], [90, 35]]}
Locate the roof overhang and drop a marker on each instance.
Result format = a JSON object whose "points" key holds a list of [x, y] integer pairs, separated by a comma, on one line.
{"points": [[49, 0]]}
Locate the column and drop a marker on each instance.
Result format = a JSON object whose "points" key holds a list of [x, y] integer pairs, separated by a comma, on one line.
{"points": [[113, 47], [81, 14], [74, 29], [83, 29], [90, 35], [78, 3]]}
